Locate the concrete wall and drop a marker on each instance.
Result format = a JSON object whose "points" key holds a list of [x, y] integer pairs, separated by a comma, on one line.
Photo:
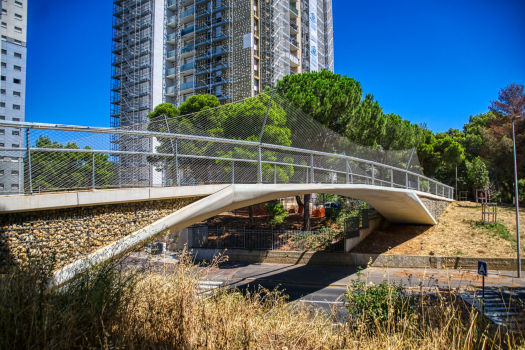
{"points": [[436, 207], [351, 243], [353, 259], [59, 237]]}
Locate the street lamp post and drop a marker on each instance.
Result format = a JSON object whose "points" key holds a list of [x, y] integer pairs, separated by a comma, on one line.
{"points": [[517, 197]]}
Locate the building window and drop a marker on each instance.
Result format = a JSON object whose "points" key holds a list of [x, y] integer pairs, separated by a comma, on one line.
{"points": [[4, 25], [18, 3], [1, 186], [4, 52], [14, 186], [2, 91], [15, 172], [17, 68], [4, 11], [16, 94], [4, 65], [17, 107], [18, 41], [3, 77], [18, 55], [16, 119], [2, 144], [15, 145], [2, 104], [17, 16], [15, 132], [2, 132], [1, 172], [18, 29], [13, 159], [17, 81], [2, 117]]}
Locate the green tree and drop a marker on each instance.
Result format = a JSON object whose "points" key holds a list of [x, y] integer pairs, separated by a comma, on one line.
{"points": [[197, 103], [336, 102], [160, 112], [69, 170], [439, 155], [478, 173], [400, 134]]}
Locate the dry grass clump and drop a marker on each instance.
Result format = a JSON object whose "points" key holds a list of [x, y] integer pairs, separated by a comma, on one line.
{"points": [[115, 307]]}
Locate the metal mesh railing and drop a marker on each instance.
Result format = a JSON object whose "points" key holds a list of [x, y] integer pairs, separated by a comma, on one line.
{"points": [[263, 139]]}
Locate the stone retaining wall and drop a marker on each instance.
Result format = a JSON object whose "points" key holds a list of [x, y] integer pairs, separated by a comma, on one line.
{"points": [[436, 207], [353, 259], [58, 237]]}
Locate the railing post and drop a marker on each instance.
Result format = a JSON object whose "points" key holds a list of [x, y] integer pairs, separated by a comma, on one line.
{"points": [[332, 177], [312, 166], [391, 177], [233, 172], [93, 162], [177, 162], [373, 175], [418, 183], [28, 147], [347, 173], [406, 180], [260, 165], [275, 173]]}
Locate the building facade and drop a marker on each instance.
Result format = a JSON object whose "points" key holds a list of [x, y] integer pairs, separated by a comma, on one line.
{"points": [[12, 98], [169, 50]]}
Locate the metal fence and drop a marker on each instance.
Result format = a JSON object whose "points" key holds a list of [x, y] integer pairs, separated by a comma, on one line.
{"points": [[275, 239], [361, 220], [263, 139]]}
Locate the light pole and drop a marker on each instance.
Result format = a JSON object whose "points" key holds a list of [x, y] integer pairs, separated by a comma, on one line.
{"points": [[516, 196]]}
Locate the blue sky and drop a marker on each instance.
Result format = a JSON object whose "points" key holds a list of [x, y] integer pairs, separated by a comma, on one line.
{"points": [[433, 62]]}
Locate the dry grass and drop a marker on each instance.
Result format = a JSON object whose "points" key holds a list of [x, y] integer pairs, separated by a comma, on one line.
{"points": [[114, 307], [455, 235]]}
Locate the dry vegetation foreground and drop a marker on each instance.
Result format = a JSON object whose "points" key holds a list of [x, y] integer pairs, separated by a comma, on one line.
{"points": [[114, 307], [458, 233]]}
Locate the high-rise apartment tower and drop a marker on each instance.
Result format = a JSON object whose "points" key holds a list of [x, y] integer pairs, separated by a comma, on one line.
{"points": [[12, 98], [169, 50]]}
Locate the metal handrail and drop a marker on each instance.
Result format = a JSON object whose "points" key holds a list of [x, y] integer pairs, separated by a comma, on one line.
{"points": [[116, 131]]}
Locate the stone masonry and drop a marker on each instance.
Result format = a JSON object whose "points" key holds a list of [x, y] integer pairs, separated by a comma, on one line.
{"points": [[436, 207], [55, 238]]}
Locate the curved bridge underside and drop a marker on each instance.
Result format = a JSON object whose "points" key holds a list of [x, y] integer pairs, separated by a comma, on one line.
{"points": [[396, 205]]}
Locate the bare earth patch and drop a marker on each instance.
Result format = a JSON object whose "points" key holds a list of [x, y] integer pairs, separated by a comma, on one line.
{"points": [[455, 235]]}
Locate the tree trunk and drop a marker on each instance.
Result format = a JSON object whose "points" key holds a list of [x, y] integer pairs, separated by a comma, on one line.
{"points": [[250, 211], [307, 226], [299, 201]]}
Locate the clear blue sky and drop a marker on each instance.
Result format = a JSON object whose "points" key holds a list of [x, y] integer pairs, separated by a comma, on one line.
{"points": [[433, 62]]}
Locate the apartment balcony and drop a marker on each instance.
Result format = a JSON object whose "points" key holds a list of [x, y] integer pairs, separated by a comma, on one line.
{"points": [[170, 73], [209, 83], [186, 86], [213, 39], [294, 28], [213, 53], [216, 23], [294, 60], [117, 22], [187, 15], [187, 49], [200, 14], [171, 38], [294, 44], [187, 67], [219, 65], [293, 12], [188, 30], [172, 21]]}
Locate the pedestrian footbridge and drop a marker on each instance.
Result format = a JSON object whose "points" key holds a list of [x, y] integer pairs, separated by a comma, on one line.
{"points": [[84, 195]]}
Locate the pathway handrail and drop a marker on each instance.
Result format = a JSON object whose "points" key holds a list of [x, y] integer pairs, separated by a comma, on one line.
{"points": [[145, 133]]}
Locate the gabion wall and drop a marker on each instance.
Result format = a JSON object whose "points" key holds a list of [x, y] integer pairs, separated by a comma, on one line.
{"points": [[54, 238], [436, 207]]}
